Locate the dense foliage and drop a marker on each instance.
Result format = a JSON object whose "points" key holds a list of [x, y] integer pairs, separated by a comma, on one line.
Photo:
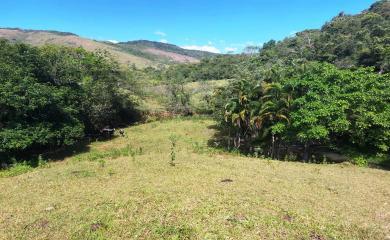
{"points": [[51, 96], [316, 104], [346, 41]]}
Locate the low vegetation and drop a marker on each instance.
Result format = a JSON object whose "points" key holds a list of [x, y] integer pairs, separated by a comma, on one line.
{"points": [[207, 194]]}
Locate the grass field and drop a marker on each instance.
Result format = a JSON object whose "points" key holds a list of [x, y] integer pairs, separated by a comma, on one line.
{"points": [[126, 188]]}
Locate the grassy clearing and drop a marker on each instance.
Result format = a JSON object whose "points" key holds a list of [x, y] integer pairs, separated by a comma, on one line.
{"points": [[157, 97], [199, 92], [127, 189]]}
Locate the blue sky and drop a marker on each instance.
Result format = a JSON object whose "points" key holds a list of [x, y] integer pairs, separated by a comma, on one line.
{"points": [[213, 25]]}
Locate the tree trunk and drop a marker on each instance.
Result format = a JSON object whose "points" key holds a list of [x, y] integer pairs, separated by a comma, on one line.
{"points": [[306, 152], [278, 151], [229, 140], [273, 147], [237, 140]]}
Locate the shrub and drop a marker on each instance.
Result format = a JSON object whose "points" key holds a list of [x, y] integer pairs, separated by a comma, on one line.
{"points": [[360, 161]]}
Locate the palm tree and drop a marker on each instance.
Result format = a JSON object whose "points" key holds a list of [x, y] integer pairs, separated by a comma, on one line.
{"points": [[273, 108], [238, 110], [256, 109]]}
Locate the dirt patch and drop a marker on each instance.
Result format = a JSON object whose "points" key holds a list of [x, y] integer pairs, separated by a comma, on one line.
{"points": [[315, 236], [96, 226], [288, 218], [227, 180]]}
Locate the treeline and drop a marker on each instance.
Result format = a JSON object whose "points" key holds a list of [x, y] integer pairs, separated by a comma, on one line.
{"points": [[52, 96], [217, 68]]}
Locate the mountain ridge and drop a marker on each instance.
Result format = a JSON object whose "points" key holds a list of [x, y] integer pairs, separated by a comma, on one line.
{"points": [[142, 53]]}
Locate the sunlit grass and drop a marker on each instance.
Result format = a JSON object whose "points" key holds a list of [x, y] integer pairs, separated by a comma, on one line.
{"points": [[127, 189]]}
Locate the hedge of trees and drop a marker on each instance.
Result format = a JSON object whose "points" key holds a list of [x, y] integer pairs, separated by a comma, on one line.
{"points": [[316, 104], [52, 96]]}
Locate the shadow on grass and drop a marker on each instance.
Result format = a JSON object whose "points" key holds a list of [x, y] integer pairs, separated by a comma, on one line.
{"points": [[222, 142], [27, 161], [382, 164], [24, 162], [78, 148], [68, 151]]}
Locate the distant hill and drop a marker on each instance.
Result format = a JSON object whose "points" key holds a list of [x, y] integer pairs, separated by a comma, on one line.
{"points": [[149, 50], [141, 53]]}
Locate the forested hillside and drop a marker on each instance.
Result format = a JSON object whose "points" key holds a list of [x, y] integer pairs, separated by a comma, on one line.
{"points": [[347, 41], [151, 50]]}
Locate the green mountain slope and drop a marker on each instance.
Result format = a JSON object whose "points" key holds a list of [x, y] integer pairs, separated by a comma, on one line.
{"points": [[346, 41]]}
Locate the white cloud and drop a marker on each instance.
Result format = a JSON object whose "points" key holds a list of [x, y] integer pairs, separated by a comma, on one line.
{"points": [[163, 41], [206, 48], [113, 41], [230, 49], [293, 33], [159, 33]]}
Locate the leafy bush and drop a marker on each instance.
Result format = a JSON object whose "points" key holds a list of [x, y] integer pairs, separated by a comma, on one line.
{"points": [[52, 96], [360, 161]]}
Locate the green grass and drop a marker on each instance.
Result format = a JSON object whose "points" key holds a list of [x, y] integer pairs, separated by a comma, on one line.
{"points": [[16, 169], [200, 90], [156, 99], [23, 167], [117, 191]]}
